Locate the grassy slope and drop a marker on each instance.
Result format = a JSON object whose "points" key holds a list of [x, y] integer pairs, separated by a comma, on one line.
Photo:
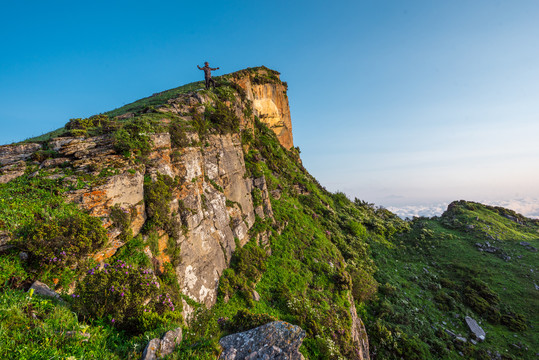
{"points": [[426, 275], [135, 107], [301, 283]]}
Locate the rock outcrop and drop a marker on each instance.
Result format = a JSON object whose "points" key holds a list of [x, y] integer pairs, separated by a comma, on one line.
{"points": [[212, 205], [477, 331], [276, 340], [270, 101], [10, 154], [42, 289], [359, 335], [159, 348]]}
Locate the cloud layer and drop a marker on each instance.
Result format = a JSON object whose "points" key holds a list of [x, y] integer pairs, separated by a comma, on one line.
{"points": [[528, 207]]}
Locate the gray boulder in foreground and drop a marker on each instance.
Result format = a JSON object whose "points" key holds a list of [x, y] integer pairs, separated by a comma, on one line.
{"points": [[159, 348], [276, 340], [478, 332]]}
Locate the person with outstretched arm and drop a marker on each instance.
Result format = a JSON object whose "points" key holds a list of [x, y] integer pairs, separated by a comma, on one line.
{"points": [[207, 74]]}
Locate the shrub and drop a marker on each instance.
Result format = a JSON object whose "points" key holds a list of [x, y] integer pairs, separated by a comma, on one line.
{"points": [[85, 124], [64, 241], [244, 320], [364, 286], [122, 219], [444, 301], [157, 196], [246, 136], [250, 261], [515, 322], [342, 279], [246, 269], [256, 194], [133, 251], [222, 118], [42, 155], [178, 136], [357, 229], [134, 138], [129, 298]]}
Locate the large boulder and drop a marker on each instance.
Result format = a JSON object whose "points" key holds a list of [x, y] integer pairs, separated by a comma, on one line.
{"points": [[275, 340]]}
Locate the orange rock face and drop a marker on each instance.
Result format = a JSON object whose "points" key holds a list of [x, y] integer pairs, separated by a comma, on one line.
{"points": [[270, 104]]}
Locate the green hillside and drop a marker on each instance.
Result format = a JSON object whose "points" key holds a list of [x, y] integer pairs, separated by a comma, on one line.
{"points": [[444, 269], [410, 281]]}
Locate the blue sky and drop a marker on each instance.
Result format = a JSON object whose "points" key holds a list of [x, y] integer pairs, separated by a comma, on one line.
{"points": [[395, 102]]}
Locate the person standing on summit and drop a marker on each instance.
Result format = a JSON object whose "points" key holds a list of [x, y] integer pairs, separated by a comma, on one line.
{"points": [[207, 74]]}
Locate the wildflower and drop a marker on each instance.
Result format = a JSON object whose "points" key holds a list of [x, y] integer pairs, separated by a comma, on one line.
{"points": [[122, 294], [112, 321]]}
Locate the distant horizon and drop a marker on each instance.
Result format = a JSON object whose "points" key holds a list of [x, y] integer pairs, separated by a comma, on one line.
{"points": [[526, 207], [404, 105]]}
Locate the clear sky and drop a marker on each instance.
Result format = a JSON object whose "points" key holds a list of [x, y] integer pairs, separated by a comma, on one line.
{"points": [[400, 103]]}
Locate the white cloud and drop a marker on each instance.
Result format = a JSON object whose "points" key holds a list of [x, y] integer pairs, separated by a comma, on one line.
{"points": [[410, 211], [528, 207]]}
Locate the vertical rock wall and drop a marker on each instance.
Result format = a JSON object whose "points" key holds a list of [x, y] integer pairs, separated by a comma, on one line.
{"points": [[270, 104]]}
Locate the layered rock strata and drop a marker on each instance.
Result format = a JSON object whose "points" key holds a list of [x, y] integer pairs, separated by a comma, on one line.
{"points": [[212, 204]]}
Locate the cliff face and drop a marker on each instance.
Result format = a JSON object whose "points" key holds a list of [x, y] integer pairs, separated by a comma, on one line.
{"points": [[211, 207], [192, 190], [270, 102]]}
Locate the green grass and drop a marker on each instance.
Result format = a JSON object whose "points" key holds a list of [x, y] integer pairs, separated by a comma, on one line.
{"points": [[429, 271], [25, 197], [36, 327], [156, 99]]}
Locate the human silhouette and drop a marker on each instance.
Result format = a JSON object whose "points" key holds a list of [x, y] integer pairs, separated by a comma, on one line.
{"points": [[207, 74]]}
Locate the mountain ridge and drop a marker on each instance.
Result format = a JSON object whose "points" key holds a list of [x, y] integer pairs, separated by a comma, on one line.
{"points": [[201, 199]]}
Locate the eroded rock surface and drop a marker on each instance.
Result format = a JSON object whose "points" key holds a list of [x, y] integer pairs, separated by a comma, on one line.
{"points": [[270, 104], [10, 154], [276, 340], [478, 332], [12, 171], [42, 289], [159, 348], [359, 336], [217, 207]]}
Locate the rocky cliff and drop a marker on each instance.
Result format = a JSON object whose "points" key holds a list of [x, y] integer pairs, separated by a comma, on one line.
{"points": [[195, 175], [212, 204]]}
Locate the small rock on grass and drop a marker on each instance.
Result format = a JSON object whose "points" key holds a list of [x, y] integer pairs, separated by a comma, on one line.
{"points": [[159, 348], [42, 289]]}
